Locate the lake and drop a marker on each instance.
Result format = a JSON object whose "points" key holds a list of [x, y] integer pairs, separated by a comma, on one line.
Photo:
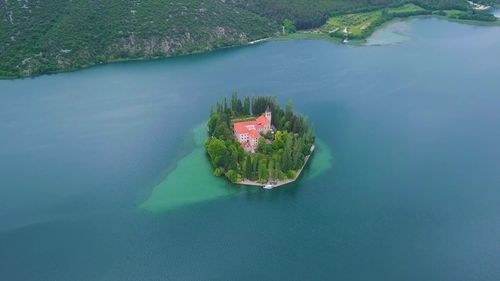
{"points": [[406, 186]]}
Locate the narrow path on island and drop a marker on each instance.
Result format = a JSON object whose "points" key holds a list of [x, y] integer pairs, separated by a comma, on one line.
{"points": [[192, 181]]}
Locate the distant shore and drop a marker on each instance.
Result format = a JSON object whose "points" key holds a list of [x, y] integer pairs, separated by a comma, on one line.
{"points": [[299, 35]]}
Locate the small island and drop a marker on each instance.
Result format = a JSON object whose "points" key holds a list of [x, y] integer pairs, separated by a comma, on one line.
{"points": [[255, 142]]}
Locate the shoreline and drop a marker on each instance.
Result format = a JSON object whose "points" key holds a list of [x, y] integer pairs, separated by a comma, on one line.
{"points": [[259, 40], [280, 182], [140, 59], [312, 34]]}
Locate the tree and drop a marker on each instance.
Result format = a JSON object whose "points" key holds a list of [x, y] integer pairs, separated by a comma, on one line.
{"points": [[268, 135], [271, 169], [297, 126], [277, 169], [233, 176], [248, 167], [297, 152], [212, 123], [310, 134], [286, 162], [289, 110], [234, 102], [217, 151], [263, 172], [279, 140], [246, 106], [289, 27], [261, 147], [233, 160], [219, 172], [225, 108], [222, 130], [255, 163]]}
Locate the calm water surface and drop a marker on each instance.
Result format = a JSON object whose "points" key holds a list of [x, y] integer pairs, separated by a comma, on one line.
{"points": [[413, 192]]}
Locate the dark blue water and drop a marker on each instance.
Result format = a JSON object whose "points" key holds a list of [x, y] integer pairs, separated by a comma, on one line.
{"points": [[413, 193]]}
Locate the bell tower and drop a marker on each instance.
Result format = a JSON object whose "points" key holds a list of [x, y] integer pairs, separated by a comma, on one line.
{"points": [[268, 114]]}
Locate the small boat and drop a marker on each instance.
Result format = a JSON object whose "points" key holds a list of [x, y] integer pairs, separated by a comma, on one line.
{"points": [[345, 41], [268, 186]]}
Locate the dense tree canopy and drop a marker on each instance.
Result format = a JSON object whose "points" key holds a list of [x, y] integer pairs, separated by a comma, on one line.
{"points": [[47, 36]]}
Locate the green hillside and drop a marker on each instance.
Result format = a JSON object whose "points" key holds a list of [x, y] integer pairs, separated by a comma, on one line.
{"points": [[48, 36], [309, 14]]}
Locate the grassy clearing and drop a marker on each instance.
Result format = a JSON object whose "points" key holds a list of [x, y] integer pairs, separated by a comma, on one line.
{"points": [[243, 119], [454, 13], [362, 25], [352, 25], [405, 9]]}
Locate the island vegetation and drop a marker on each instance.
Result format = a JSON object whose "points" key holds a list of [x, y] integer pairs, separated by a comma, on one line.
{"points": [[281, 152], [39, 37]]}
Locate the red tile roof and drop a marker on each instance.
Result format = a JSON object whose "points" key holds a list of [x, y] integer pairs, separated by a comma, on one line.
{"points": [[262, 120], [254, 134], [241, 127], [245, 127]]}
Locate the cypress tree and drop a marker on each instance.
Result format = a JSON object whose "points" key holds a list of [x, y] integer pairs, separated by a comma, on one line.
{"points": [[255, 162], [248, 167], [297, 152], [286, 162], [270, 169], [277, 168], [263, 176], [246, 106]]}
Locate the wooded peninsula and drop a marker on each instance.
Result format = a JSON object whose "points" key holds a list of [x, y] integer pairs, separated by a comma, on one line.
{"points": [[255, 142]]}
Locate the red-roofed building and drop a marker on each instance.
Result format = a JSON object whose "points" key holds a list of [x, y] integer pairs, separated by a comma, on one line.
{"points": [[249, 132]]}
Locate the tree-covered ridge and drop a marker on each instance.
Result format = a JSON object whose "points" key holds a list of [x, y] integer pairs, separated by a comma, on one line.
{"points": [[311, 14], [279, 155], [48, 36]]}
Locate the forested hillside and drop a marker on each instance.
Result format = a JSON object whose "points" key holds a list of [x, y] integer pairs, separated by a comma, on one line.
{"points": [[309, 14], [40, 36], [44, 36]]}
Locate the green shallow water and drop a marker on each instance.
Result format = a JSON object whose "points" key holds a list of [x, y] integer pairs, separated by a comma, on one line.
{"points": [[192, 181]]}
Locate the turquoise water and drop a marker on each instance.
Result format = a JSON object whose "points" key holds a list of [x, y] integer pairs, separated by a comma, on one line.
{"points": [[411, 192]]}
